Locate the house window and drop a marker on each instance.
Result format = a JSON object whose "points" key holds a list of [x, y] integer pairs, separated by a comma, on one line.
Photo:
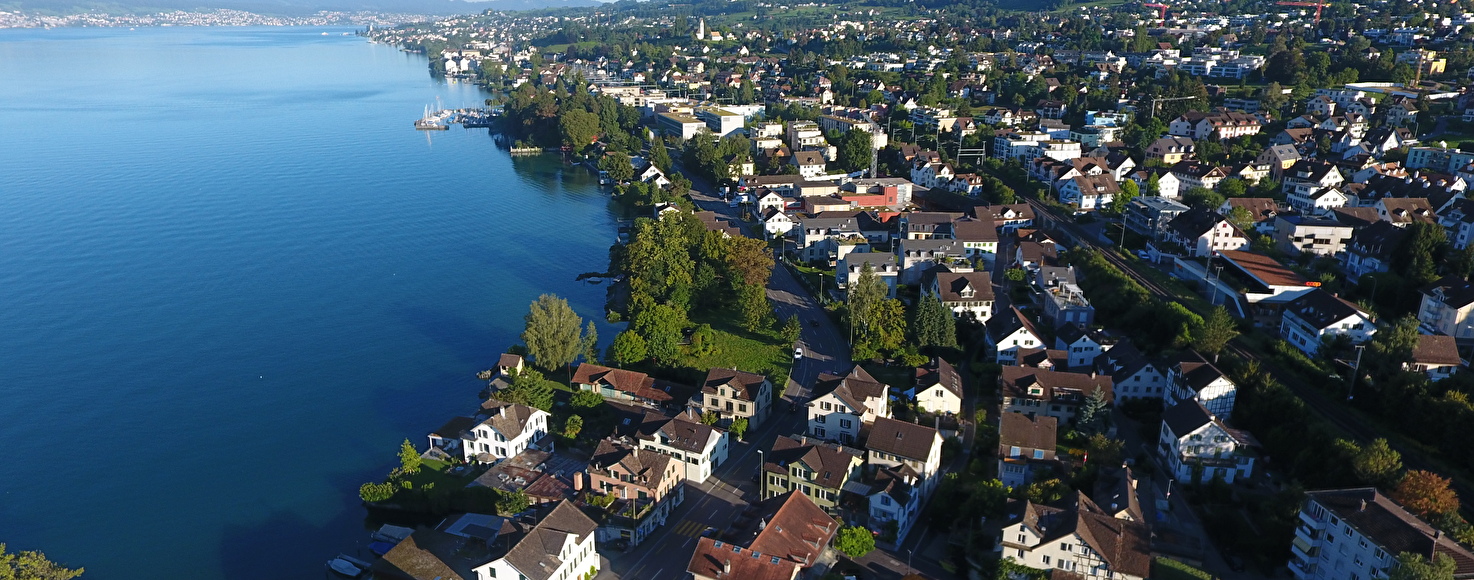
{"points": [[1014, 451], [1038, 454], [1046, 559], [885, 500], [1066, 547], [1022, 538]]}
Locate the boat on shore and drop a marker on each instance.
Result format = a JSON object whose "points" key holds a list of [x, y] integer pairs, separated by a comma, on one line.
{"points": [[343, 567], [431, 122]]}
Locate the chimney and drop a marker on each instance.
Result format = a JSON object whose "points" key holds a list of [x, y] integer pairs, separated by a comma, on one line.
{"points": [[726, 566], [1362, 507]]}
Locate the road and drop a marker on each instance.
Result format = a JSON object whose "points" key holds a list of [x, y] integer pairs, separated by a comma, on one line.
{"points": [[721, 499]]}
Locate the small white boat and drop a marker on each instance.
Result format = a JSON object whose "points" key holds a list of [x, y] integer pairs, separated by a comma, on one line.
{"points": [[391, 533], [344, 567]]}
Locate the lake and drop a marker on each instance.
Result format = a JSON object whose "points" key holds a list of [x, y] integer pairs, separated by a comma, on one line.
{"points": [[233, 278]]}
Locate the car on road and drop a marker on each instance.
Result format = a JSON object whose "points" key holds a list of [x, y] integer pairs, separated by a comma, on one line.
{"points": [[709, 532], [798, 353], [1143, 255]]}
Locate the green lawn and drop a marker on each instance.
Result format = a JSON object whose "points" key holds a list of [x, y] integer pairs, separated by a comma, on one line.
{"points": [[735, 347], [433, 473], [1166, 569]]}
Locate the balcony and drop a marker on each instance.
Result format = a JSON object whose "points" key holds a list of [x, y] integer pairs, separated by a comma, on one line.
{"points": [[1310, 521], [1304, 549], [1301, 569]]}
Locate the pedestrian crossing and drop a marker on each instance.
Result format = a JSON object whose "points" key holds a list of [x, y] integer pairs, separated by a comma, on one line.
{"points": [[689, 528]]}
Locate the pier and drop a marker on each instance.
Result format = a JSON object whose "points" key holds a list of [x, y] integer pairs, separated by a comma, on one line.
{"points": [[470, 118]]}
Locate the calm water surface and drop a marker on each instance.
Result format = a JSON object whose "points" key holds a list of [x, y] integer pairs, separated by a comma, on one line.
{"points": [[233, 278]]}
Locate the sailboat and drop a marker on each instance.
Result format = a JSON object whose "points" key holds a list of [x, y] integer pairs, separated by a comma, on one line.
{"points": [[430, 122]]}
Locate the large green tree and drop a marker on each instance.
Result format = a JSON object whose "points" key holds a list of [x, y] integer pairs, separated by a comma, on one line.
{"points": [[854, 150], [1215, 332], [628, 348], [1420, 252], [854, 541], [528, 387], [933, 324], [1377, 464], [578, 127], [551, 333], [1412, 566], [661, 325], [32, 565], [659, 155], [617, 165]]}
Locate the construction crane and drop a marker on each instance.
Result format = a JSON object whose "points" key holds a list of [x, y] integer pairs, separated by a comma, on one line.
{"points": [[1161, 12], [1318, 6]]}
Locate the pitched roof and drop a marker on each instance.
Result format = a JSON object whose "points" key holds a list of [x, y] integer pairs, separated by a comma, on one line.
{"points": [[425, 555], [1036, 357], [647, 424], [747, 385], [509, 419], [830, 462], [1058, 386], [1195, 222], [1457, 292], [1124, 545], [1007, 323], [1391, 527], [1262, 208], [793, 528], [1436, 349], [536, 555], [716, 559], [1197, 372], [856, 388], [1322, 309], [1186, 417], [636, 384], [1020, 430], [647, 468], [1379, 239], [1264, 268], [952, 284], [939, 372], [901, 438]]}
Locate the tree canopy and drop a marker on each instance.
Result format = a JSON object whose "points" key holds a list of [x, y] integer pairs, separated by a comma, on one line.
{"points": [[551, 334], [32, 565], [854, 541]]}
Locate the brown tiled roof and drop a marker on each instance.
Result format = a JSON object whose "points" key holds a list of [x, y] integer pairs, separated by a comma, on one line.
{"points": [[853, 389], [1265, 268], [424, 555], [1391, 527], [1262, 208], [951, 285], [509, 360], [1436, 349], [1057, 385], [536, 555], [907, 440], [1020, 430], [939, 372], [509, 419], [648, 468], [1035, 357], [723, 561], [1124, 545], [796, 528], [636, 384], [645, 423], [747, 384], [830, 463]]}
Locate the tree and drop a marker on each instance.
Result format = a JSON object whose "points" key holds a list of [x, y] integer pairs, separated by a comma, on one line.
{"points": [[586, 400], [1412, 566], [1377, 464], [854, 541], [854, 150], [530, 388], [370, 492], [628, 348], [617, 166], [1104, 451], [1233, 187], [1015, 275], [1129, 191], [551, 334], [710, 418], [572, 426], [578, 127], [659, 155], [1241, 218], [661, 326], [933, 323], [1202, 197], [31, 565], [1093, 414], [590, 343], [792, 329], [738, 428], [1426, 494], [409, 458], [1420, 252], [1215, 333], [513, 503]]}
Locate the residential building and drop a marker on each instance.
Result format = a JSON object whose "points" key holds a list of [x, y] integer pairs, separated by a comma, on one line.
{"points": [[810, 164], [1297, 234], [645, 487], [918, 256], [559, 546], [699, 447], [1404, 211], [1192, 378], [1134, 376], [966, 294], [1448, 308], [1081, 344], [1359, 532], [818, 469], [1050, 393], [894, 499], [1191, 174], [938, 388], [1262, 210], [1170, 149], [883, 264], [1197, 447], [1316, 316], [1089, 192], [1010, 331], [841, 406], [734, 394], [1279, 158], [1026, 444], [900, 444], [623, 385], [1218, 125], [1436, 355], [1204, 232], [502, 430], [1149, 215], [1370, 249], [789, 527], [714, 559], [1076, 537]]}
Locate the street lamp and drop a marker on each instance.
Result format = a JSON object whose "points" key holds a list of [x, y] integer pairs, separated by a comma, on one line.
{"points": [[759, 474], [909, 555]]}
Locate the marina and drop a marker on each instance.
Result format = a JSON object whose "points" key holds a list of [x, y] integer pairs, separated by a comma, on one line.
{"points": [[470, 118]]}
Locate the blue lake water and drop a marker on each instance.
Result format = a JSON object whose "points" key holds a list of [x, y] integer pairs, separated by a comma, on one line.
{"points": [[233, 278]]}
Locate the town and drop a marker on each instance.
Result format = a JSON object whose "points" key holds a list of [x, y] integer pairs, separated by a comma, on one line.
{"points": [[943, 291]]}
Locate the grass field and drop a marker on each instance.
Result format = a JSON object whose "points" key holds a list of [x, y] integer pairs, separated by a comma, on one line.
{"points": [[733, 346]]}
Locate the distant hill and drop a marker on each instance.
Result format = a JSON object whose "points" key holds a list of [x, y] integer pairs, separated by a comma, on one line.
{"points": [[290, 7]]}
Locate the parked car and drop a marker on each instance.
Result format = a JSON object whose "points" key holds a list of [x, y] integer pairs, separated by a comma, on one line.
{"points": [[798, 353]]}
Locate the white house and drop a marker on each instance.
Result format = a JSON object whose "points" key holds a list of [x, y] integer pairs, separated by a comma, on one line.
{"points": [[1448, 307], [1193, 378], [1025, 444], [842, 405], [1079, 539], [700, 448], [503, 430], [1010, 331], [966, 294], [1318, 315], [1197, 447], [559, 547], [884, 265], [894, 499], [1081, 344], [1202, 232], [1089, 191], [938, 388], [1436, 355], [776, 223], [895, 443], [1358, 533], [1135, 376]]}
